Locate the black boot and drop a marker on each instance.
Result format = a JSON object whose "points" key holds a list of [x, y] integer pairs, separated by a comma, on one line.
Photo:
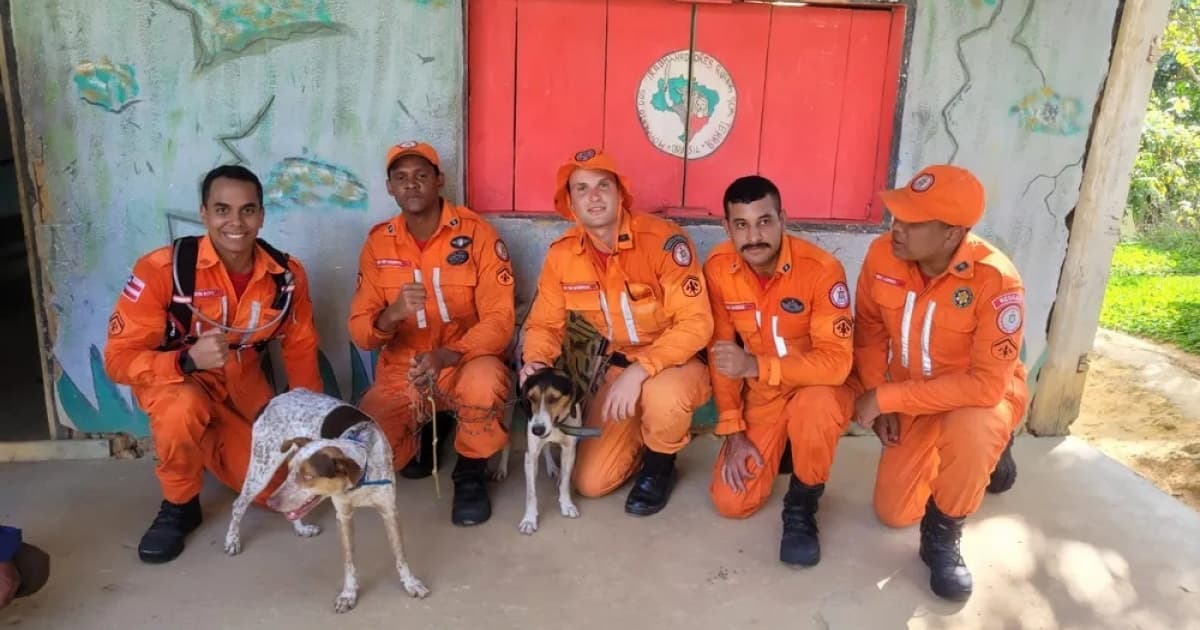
{"points": [[163, 542], [652, 487], [940, 535], [799, 545], [471, 503], [1005, 473], [785, 462], [421, 465]]}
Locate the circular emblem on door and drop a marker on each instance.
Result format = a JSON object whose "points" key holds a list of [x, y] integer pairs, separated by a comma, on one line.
{"points": [[674, 111]]}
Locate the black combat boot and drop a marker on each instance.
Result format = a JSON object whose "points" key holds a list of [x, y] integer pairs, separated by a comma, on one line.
{"points": [[471, 503], [163, 542], [421, 465], [1005, 473], [653, 484], [940, 535], [799, 545]]}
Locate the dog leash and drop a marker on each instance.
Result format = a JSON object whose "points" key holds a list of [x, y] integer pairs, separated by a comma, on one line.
{"points": [[437, 486]]}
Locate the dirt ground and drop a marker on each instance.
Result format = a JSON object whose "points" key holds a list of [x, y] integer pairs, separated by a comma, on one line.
{"points": [[1142, 428]]}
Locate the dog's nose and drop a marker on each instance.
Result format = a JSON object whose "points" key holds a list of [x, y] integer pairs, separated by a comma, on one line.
{"points": [[538, 429]]}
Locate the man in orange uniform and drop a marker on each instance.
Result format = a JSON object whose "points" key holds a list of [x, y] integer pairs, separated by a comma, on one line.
{"points": [[635, 278], [948, 309], [435, 293], [780, 353], [188, 333]]}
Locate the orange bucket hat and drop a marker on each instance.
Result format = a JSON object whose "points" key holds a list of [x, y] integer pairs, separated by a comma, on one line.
{"points": [[591, 159], [941, 192]]}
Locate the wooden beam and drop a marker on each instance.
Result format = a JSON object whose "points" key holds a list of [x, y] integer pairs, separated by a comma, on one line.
{"points": [[52, 450], [1095, 228]]}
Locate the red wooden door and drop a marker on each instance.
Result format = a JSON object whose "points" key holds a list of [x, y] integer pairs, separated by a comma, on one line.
{"points": [[803, 95]]}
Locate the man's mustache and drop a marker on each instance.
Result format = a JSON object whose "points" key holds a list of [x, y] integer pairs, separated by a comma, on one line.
{"points": [[751, 246]]}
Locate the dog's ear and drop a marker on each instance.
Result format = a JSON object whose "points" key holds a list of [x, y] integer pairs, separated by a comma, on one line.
{"points": [[331, 462], [298, 442], [348, 468]]}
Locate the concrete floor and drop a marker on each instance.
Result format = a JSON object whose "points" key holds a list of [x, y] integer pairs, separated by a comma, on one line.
{"points": [[1080, 542]]}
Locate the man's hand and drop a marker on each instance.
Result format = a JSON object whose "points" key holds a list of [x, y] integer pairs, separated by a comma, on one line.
{"points": [[10, 580], [210, 351], [887, 427], [528, 369], [410, 300], [732, 361], [622, 399], [424, 369], [736, 472], [866, 409]]}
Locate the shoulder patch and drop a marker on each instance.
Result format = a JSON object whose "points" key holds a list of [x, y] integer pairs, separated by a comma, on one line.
{"points": [[681, 252], [1004, 349], [133, 288], [676, 239], [504, 277], [1010, 318], [116, 325], [692, 286], [839, 295], [1006, 299], [843, 327]]}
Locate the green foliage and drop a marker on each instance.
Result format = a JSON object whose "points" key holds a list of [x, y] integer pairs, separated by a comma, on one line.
{"points": [[1155, 289], [1165, 188]]}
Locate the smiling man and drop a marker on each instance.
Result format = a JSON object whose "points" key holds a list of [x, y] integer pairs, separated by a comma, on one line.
{"points": [[188, 333], [634, 278], [940, 316], [435, 297], [781, 349]]}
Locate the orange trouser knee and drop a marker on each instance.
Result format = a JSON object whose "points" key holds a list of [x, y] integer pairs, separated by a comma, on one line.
{"points": [[662, 422], [476, 393], [948, 456], [192, 432], [812, 418]]}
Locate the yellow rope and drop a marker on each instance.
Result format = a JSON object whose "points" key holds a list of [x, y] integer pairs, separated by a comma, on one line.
{"points": [[437, 487]]}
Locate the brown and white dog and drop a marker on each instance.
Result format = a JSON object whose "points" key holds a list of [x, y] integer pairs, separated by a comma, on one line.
{"points": [[553, 402], [332, 450]]}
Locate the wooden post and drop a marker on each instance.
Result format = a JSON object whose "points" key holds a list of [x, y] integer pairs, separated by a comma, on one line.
{"points": [[1096, 225]]}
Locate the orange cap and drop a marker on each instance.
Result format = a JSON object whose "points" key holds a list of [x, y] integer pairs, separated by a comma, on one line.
{"points": [[591, 159], [941, 192], [412, 147]]}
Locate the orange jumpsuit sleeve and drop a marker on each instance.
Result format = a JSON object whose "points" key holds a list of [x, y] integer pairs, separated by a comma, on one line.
{"points": [[994, 356], [546, 324], [493, 301], [871, 337], [691, 317], [299, 336], [368, 302], [727, 392], [136, 328], [832, 354]]}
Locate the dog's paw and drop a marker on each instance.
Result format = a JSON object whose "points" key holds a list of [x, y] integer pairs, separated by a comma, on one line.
{"points": [[499, 474], [569, 510], [528, 525], [233, 545], [306, 531], [345, 602], [416, 588]]}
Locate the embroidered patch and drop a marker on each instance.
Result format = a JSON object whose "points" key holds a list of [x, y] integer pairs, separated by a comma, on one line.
{"points": [[692, 286], [504, 277], [116, 324], [682, 254], [133, 288], [1007, 299], [585, 155], [501, 250], [963, 297], [460, 242], [409, 144], [962, 266], [207, 293], [577, 287], [673, 241], [458, 257], [889, 280], [791, 305], [843, 327], [1009, 319], [392, 262], [1005, 349], [922, 183], [736, 307], [839, 295]]}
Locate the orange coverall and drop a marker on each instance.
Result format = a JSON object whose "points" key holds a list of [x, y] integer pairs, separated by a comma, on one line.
{"points": [[800, 330], [648, 300], [954, 376], [468, 309], [203, 420]]}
